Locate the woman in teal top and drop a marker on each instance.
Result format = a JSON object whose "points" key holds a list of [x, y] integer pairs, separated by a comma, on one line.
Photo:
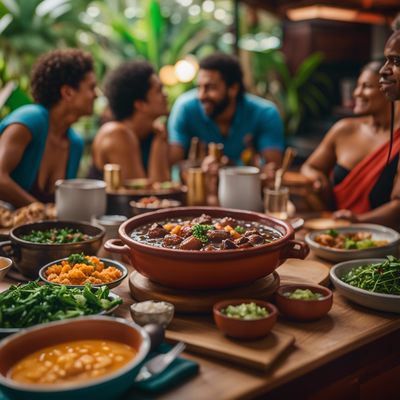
{"points": [[37, 144]]}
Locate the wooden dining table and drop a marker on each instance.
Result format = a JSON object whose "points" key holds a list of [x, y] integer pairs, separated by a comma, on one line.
{"points": [[350, 353]]}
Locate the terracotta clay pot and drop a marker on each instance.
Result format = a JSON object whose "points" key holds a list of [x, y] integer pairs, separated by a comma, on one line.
{"points": [[193, 269]]}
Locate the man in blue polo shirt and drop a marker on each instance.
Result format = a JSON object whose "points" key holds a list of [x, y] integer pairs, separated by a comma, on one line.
{"points": [[220, 111]]}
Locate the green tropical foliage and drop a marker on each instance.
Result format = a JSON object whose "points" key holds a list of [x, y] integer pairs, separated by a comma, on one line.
{"points": [[30, 28], [160, 31], [301, 93]]}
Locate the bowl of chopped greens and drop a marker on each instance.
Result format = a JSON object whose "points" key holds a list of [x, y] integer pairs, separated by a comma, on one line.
{"points": [[35, 244], [303, 302], [79, 269], [372, 282], [356, 241], [245, 318], [29, 304]]}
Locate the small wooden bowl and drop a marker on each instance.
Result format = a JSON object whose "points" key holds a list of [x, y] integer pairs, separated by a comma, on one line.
{"points": [[241, 328], [304, 310]]}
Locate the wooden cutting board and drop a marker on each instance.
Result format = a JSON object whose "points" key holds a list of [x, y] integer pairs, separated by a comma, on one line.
{"points": [[202, 337], [294, 270], [197, 301]]}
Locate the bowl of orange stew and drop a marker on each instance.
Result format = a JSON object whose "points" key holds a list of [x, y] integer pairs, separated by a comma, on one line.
{"points": [[85, 358], [80, 269]]}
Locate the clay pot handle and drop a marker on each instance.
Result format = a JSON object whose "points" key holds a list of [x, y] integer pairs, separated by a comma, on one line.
{"points": [[116, 246], [3, 249], [294, 249]]}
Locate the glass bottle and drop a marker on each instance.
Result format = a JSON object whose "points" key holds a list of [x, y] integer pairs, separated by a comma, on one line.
{"points": [[210, 166]]}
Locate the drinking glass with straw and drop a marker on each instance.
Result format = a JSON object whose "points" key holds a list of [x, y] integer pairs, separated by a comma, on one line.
{"points": [[276, 199]]}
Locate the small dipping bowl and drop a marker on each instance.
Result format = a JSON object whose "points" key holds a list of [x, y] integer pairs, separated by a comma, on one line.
{"points": [[247, 329], [5, 265], [301, 309], [152, 312]]}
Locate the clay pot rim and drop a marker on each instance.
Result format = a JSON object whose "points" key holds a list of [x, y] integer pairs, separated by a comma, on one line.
{"points": [[155, 216]]}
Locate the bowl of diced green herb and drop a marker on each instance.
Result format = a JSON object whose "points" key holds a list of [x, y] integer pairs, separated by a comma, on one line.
{"points": [[245, 318], [356, 241], [35, 244], [29, 304], [303, 302], [372, 282]]}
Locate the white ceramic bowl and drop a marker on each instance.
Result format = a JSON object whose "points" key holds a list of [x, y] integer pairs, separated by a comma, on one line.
{"points": [[376, 301], [152, 312], [379, 232]]}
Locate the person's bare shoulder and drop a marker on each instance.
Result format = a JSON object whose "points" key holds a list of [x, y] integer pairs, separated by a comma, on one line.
{"points": [[111, 134], [346, 127]]}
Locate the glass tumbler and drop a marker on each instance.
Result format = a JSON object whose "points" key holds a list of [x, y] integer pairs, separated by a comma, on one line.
{"points": [[276, 202]]}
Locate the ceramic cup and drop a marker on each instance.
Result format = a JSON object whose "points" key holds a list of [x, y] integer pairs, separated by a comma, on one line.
{"points": [[80, 199], [240, 187]]}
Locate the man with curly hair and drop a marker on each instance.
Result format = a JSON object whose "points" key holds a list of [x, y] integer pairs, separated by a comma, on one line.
{"points": [[134, 139], [37, 144]]}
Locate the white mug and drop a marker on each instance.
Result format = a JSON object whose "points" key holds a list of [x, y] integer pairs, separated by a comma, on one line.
{"points": [[80, 199], [240, 187]]}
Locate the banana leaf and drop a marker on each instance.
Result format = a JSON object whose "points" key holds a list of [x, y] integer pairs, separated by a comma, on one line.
{"points": [[154, 23], [307, 68]]}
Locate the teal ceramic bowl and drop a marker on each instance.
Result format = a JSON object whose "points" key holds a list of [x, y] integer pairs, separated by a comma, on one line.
{"points": [[110, 386]]}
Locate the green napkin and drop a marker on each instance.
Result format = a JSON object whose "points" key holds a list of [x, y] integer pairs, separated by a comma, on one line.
{"points": [[177, 372]]}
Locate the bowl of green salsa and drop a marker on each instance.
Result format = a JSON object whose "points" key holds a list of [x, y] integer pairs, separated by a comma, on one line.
{"points": [[304, 302], [245, 318]]}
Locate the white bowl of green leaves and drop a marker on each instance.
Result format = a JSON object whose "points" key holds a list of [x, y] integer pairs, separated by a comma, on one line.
{"points": [[372, 282]]}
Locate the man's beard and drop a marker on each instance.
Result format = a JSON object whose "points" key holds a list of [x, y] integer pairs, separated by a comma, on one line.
{"points": [[219, 107]]}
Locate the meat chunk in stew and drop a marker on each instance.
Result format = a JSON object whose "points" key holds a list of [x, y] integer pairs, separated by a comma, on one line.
{"points": [[157, 231], [171, 240], [203, 219], [191, 243]]}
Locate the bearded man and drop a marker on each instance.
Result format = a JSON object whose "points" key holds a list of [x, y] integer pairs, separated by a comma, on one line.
{"points": [[220, 111]]}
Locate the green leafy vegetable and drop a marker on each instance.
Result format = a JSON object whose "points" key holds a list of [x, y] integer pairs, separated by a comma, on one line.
{"points": [[199, 231], [30, 304], [349, 244], [79, 259], [332, 232], [380, 277], [240, 229], [55, 235]]}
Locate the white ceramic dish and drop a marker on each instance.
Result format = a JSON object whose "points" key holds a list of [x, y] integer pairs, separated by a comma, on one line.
{"points": [[379, 232], [376, 301]]}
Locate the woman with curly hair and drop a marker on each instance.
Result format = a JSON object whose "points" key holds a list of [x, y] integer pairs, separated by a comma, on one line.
{"points": [[37, 144]]}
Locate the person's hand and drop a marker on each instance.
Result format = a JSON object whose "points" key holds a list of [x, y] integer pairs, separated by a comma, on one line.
{"points": [[160, 130], [345, 214], [320, 183], [269, 170]]}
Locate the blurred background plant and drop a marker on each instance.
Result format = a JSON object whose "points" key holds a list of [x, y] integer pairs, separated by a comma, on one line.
{"points": [[171, 34]]}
